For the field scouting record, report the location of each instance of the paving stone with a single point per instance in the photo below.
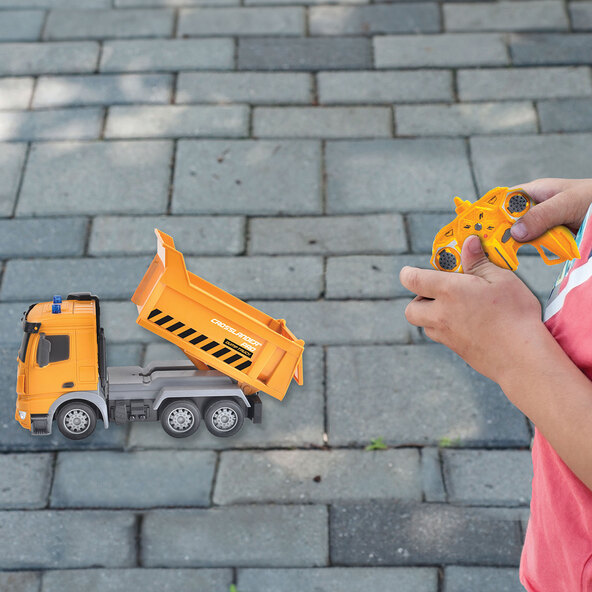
(28, 479)
(317, 476)
(362, 20)
(105, 24)
(128, 580)
(581, 15)
(488, 477)
(21, 25)
(448, 50)
(327, 122)
(194, 235)
(551, 48)
(82, 123)
(338, 579)
(510, 160)
(173, 3)
(119, 322)
(165, 121)
(465, 119)
(106, 89)
(167, 55)
(87, 4)
(20, 581)
(337, 53)
(12, 159)
(250, 2)
(241, 21)
(297, 420)
(538, 15)
(242, 177)
(567, 115)
(424, 227)
(488, 579)
(239, 536)
(68, 539)
(15, 93)
(385, 87)
(327, 235)
(523, 83)
(245, 87)
(415, 395)
(540, 278)
(48, 58)
(136, 479)
(431, 472)
(96, 178)
(129, 354)
(411, 533)
(383, 175)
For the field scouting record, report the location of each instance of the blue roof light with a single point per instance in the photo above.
(56, 307)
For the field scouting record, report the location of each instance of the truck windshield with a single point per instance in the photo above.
(23, 349)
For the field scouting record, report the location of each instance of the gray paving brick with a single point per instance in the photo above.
(395, 18)
(242, 176)
(523, 83)
(567, 115)
(12, 158)
(538, 15)
(144, 479)
(48, 58)
(448, 50)
(87, 4)
(166, 121)
(129, 354)
(69, 539)
(90, 177)
(28, 479)
(172, 3)
(20, 581)
(295, 421)
(384, 87)
(128, 580)
(338, 579)
(540, 278)
(105, 24)
(119, 321)
(318, 476)
(83, 123)
(465, 119)
(194, 235)
(322, 122)
(510, 160)
(42, 237)
(241, 21)
(240, 536)
(383, 175)
(15, 93)
(21, 25)
(458, 578)
(336, 53)
(424, 227)
(488, 477)
(551, 48)
(410, 533)
(431, 472)
(107, 89)
(581, 15)
(245, 87)
(368, 396)
(326, 235)
(167, 55)
(256, 2)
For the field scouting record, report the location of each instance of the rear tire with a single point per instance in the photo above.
(77, 420)
(180, 418)
(224, 418)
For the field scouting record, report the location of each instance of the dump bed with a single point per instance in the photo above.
(214, 328)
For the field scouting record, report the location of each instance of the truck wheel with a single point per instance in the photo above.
(224, 418)
(180, 418)
(77, 420)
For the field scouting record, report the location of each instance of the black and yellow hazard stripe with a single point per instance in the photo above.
(203, 341)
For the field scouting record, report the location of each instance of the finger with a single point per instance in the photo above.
(419, 312)
(423, 282)
(474, 260)
(542, 189)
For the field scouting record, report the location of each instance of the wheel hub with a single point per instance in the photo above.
(180, 419)
(76, 420)
(224, 419)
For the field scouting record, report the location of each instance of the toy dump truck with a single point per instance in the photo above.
(233, 350)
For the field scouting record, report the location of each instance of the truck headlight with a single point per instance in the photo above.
(23, 414)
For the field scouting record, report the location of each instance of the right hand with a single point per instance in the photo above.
(559, 201)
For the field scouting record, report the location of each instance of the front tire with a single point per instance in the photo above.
(224, 418)
(77, 420)
(180, 418)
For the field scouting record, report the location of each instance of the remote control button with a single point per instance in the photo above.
(506, 236)
(447, 261)
(517, 203)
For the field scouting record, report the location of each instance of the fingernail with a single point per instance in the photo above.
(519, 230)
(474, 245)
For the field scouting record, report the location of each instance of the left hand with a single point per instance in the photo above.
(486, 315)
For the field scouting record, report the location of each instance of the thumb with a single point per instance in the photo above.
(474, 261)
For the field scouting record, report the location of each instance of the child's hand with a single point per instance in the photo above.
(560, 201)
(486, 315)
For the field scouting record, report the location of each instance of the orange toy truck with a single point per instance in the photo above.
(233, 350)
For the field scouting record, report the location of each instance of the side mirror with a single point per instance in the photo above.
(43, 351)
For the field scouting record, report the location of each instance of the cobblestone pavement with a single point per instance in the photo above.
(300, 153)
